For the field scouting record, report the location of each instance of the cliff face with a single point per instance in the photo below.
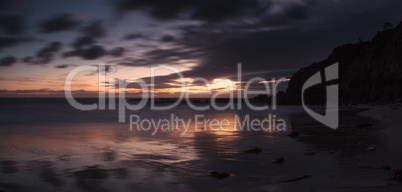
(369, 72)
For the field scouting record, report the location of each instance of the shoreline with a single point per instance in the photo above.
(389, 114)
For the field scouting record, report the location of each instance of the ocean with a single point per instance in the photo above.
(47, 145)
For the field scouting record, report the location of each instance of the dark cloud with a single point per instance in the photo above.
(51, 48)
(107, 69)
(172, 56)
(226, 9)
(7, 61)
(272, 45)
(28, 59)
(167, 38)
(61, 22)
(269, 38)
(6, 42)
(264, 51)
(133, 36)
(208, 10)
(117, 52)
(95, 29)
(44, 55)
(297, 12)
(84, 46)
(12, 24)
(91, 53)
(9, 6)
(64, 66)
(4, 4)
(83, 41)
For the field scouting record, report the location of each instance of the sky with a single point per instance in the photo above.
(42, 41)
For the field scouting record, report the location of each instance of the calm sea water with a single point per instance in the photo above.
(47, 145)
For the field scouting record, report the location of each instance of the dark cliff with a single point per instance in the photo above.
(369, 72)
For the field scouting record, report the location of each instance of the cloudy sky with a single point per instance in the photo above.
(41, 41)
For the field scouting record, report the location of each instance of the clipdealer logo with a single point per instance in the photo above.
(325, 76)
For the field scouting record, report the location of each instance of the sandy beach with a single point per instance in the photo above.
(90, 152)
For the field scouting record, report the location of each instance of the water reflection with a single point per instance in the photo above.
(98, 156)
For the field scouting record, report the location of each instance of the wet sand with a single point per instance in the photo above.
(98, 154)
